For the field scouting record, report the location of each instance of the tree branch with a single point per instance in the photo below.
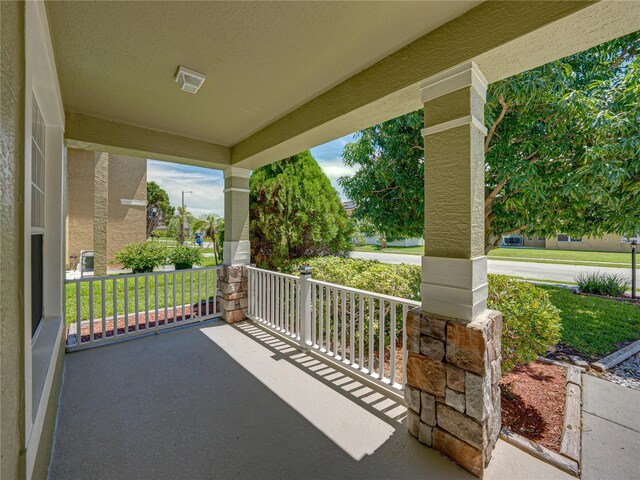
(492, 130)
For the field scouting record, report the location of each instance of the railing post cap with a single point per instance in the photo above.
(305, 270)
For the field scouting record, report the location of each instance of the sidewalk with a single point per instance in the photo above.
(610, 430)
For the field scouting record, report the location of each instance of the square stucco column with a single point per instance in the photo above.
(453, 341)
(233, 283)
(100, 213)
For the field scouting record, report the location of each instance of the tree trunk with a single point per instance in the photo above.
(383, 240)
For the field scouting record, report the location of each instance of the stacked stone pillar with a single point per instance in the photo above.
(453, 341)
(233, 281)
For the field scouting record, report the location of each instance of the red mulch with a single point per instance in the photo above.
(85, 334)
(533, 402)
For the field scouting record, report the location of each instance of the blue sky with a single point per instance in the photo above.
(207, 184)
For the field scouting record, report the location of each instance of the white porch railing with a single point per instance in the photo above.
(102, 310)
(360, 329)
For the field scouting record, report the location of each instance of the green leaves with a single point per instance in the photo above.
(295, 212)
(564, 154)
(142, 257)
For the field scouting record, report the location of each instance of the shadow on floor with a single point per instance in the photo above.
(214, 401)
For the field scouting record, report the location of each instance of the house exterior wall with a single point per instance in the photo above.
(80, 185)
(534, 242)
(608, 243)
(12, 354)
(126, 223)
(127, 179)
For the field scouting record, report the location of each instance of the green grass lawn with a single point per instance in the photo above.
(594, 326)
(171, 242)
(190, 297)
(537, 255)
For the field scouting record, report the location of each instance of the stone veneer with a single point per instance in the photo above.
(233, 292)
(452, 390)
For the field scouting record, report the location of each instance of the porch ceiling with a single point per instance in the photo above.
(116, 60)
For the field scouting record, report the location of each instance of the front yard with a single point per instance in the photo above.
(594, 327)
(536, 255)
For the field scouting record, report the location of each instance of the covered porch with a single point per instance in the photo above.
(223, 398)
(215, 400)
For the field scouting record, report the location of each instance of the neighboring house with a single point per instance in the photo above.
(106, 203)
(607, 243)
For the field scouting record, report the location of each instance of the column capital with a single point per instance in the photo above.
(464, 75)
(236, 172)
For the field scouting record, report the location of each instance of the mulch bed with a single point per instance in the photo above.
(533, 402)
(189, 312)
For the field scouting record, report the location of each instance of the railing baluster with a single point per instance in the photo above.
(126, 306)
(114, 292)
(104, 309)
(392, 342)
(199, 296)
(343, 347)
(371, 312)
(156, 302)
(206, 290)
(146, 302)
(190, 303)
(352, 329)
(381, 329)
(335, 322)
(165, 298)
(91, 338)
(361, 327)
(328, 324)
(313, 314)
(321, 317)
(136, 303)
(286, 299)
(405, 310)
(78, 314)
(174, 300)
(182, 299)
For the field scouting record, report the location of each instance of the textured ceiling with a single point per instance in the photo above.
(116, 60)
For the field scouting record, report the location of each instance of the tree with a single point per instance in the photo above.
(295, 212)
(178, 226)
(159, 210)
(213, 228)
(562, 152)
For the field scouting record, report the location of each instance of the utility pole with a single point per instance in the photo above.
(182, 218)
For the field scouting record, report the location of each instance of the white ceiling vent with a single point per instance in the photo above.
(189, 80)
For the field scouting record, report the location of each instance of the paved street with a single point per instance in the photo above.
(538, 271)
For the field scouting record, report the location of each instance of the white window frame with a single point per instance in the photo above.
(43, 347)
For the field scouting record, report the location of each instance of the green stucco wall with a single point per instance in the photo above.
(12, 63)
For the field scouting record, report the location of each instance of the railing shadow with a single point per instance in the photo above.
(381, 404)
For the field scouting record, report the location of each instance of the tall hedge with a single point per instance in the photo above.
(295, 212)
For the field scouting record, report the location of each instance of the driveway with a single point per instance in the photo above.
(537, 271)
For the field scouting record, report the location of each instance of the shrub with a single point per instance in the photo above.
(602, 284)
(184, 256)
(142, 257)
(398, 280)
(531, 324)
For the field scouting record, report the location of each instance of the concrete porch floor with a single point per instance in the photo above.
(221, 401)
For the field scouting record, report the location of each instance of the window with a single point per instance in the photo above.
(563, 237)
(37, 216)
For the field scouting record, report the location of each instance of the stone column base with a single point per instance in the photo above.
(452, 389)
(233, 292)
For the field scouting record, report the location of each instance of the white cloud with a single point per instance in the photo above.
(206, 184)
